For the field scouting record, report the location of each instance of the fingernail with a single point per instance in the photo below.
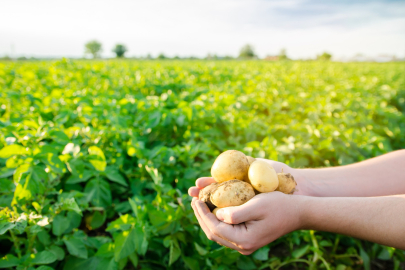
(220, 214)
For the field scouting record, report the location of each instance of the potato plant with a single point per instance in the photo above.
(96, 156)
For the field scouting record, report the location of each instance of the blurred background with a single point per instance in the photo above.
(348, 30)
(110, 110)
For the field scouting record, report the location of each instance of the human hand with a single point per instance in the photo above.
(248, 227)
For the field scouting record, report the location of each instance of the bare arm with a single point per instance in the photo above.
(379, 176)
(377, 219)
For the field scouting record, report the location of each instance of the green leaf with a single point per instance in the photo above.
(9, 261)
(175, 253)
(60, 224)
(12, 150)
(106, 250)
(6, 172)
(93, 263)
(384, 254)
(262, 254)
(298, 253)
(74, 179)
(112, 265)
(97, 219)
(125, 244)
(114, 175)
(43, 257)
(59, 137)
(57, 251)
(141, 241)
(20, 224)
(20, 171)
(366, 259)
(44, 267)
(70, 205)
(245, 263)
(133, 257)
(191, 263)
(97, 158)
(53, 162)
(44, 237)
(76, 247)
(134, 206)
(123, 223)
(99, 192)
(202, 251)
(5, 226)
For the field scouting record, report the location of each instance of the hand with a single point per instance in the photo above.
(252, 225)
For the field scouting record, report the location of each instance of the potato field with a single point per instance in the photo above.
(96, 156)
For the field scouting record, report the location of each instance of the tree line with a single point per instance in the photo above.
(94, 48)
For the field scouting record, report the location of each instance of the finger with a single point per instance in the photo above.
(249, 211)
(209, 234)
(231, 233)
(204, 181)
(194, 191)
(238, 214)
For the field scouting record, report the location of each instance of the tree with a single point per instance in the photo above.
(161, 56)
(120, 50)
(247, 52)
(93, 47)
(324, 57)
(283, 55)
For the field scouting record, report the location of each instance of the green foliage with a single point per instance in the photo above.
(120, 50)
(247, 51)
(94, 48)
(96, 157)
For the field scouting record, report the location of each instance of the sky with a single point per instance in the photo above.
(305, 28)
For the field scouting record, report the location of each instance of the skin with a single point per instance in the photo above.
(365, 200)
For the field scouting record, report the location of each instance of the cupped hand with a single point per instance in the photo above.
(252, 225)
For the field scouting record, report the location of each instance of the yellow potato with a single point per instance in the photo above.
(205, 195)
(250, 159)
(287, 183)
(230, 165)
(262, 176)
(232, 193)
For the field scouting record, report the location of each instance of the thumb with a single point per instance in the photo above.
(238, 214)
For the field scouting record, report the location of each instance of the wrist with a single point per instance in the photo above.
(304, 206)
(304, 186)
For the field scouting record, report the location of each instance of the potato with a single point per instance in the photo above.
(232, 193)
(205, 195)
(262, 176)
(287, 183)
(250, 159)
(230, 165)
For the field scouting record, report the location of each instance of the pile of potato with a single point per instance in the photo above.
(239, 178)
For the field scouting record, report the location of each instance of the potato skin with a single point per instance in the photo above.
(287, 183)
(250, 159)
(230, 165)
(262, 176)
(232, 193)
(205, 195)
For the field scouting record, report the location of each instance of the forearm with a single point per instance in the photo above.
(380, 176)
(376, 219)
